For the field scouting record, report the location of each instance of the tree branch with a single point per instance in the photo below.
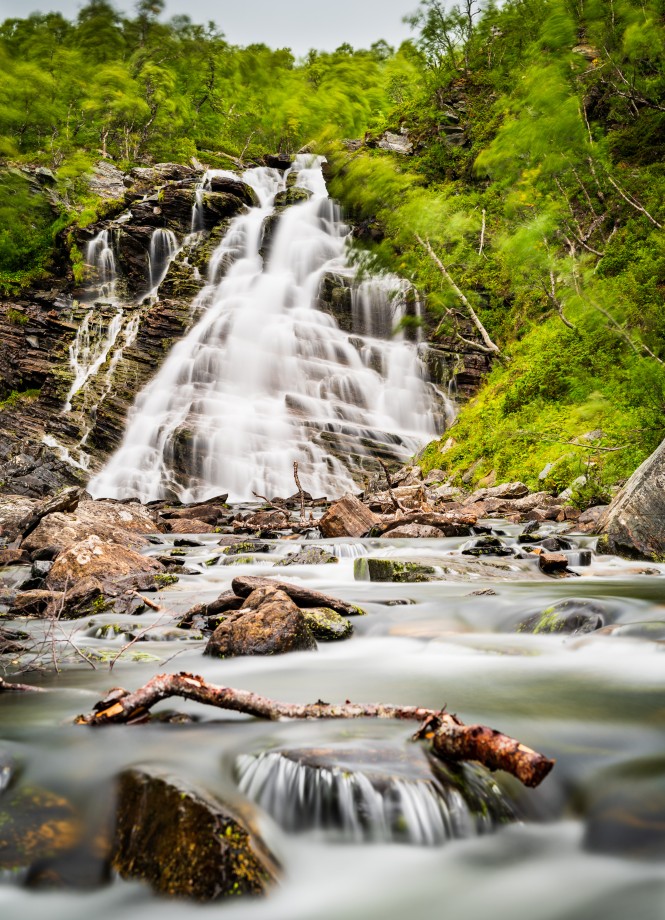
(451, 739)
(634, 203)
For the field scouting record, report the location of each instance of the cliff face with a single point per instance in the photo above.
(73, 357)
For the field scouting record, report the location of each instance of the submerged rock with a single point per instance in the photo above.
(571, 617)
(36, 824)
(184, 843)
(268, 623)
(634, 524)
(309, 555)
(487, 546)
(326, 625)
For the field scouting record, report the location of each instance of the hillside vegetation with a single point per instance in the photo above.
(529, 212)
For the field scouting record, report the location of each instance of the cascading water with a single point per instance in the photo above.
(163, 248)
(303, 791)
(101, 259)
(264, 378)
(90, 349)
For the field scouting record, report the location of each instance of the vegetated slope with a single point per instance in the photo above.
(531, 170)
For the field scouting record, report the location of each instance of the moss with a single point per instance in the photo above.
(393, 571)
(15, 398)
(163, 581)
(16, 318)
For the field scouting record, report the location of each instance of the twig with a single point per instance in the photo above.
(634, 203)
(19, 688)
(450, 738)
(300, 492)
(267, 501)
(393, 498)
(482, 233)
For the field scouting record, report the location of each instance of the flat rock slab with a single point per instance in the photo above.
(184, 843)
(111, 521)
(94, 558)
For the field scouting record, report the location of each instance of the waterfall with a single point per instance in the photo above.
(90, 349)
(163, 247)
(265, 378)
(307, 790)
(100, 257)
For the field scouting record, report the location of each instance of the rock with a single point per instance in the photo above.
(268, 623)
(451, 524)
(411, 497)
(244, 585)
(189, 525)
(589, 519)
(96, 558)
(14, 557)
(32, 603)
(235, 187)
(309, 555)
(278, 160)
(84, 598)
(445, 494)
(107, 181)
(552, 563)
(125, 525)
(414, 531)
(348, 517)
(184, 843)
(486, 546)
(634, 524)
(508, 490)
(14, 511)
(326, 625)
(396, 143)
(555, 544)
(291, 196)
(392, 570)
(263, 521)
(571, 617)
(36, 824)
(247, 546)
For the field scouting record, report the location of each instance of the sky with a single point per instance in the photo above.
(298, 24)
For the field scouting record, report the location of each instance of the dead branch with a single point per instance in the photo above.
(397, 505)
(551, 294)
(482, 233)
(634, 203)
(300, 492)
(489, 347)
(450, 738)
(19, 688)
(268, 502)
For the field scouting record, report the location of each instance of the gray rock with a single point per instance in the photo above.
(326, 625)
(572, 617)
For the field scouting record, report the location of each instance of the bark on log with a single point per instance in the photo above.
(19, 688)
(450, 738)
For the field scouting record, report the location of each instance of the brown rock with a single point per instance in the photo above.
(111, 521)
(414, 531)
(589, 519)
(14, 557)
(15, 510)
(551, 563)
(411, 497)
(185, 843)
(348, 518)
(244, 585)
(452, 524)
(269, 623)
(96, 558)
(263, 520)
(33, 603)
(190, 525)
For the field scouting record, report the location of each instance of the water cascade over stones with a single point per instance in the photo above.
(101, 259)
(95, 338)
(265, 377)
(360, 798)
(163, 247)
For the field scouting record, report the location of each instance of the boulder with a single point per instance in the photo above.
(278, 160)
(263, 521)
(309, 555)
(326, 625)
(552, 563)
(348, 518)
(414, 531)
(236, 187)
(588, 520)
(634, 524)
(15, 510)
(571, 617)
(184, 843)
(268, 623)
(303, 597)
(487, 546)
(451, 524)
(14, 557)
(508, 490)
(392, 570)
(33, 603)
(411, 497)
(36, 824)
(190, 525)
(97, 558)
(125, 525)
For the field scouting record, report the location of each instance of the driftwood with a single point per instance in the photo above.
(18, 688)
(397, 505)
(450, 739)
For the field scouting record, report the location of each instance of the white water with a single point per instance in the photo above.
(90, 349)
(163, 248)
(265, 379)
(101, 259)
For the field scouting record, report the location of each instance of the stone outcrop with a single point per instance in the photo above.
(94, 558)
(125, 525)
(634, 524)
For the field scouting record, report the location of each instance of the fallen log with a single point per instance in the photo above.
(19, 688)
(450, 739)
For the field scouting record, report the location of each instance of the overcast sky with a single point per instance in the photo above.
(299, 24)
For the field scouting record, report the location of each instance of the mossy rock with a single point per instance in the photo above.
(35, 824)
(392, 570)
(310, 555)
(247, 546)
(574, 617)
(326, 625)
(184, 843)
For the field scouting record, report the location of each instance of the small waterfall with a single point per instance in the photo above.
(264, 378)
(90, 349)
(369, 802)
(101, 258)
(163, 247)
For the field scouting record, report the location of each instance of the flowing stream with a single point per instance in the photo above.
(360, 822)
(264, 378)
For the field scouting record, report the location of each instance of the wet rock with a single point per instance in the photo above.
(280, 161)
(409, 497)
(310, 555)
(336, 298)
(555, 544)
(552, 563)
(86, 597)
(184, 843)
(36, 824)
(570, 617)
(588, 520)
(244, 585)
(125, 525)
(634, 524)
(33, 603)
(268, 623)
(508, 490)
(414, 531)
(326, 625)
(14, 557)
(247, 546)
(96, 558)
(487, 546)
(392, 570)
(450, 524)
(237, 187)
(218, 206)
(348, 518)
(291, 196)
(262, 521)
